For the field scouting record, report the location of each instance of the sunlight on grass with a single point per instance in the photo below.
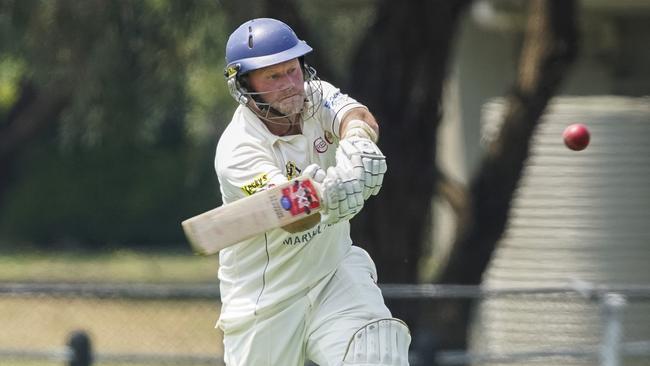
(114, 325)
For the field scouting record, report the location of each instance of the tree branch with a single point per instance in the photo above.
(549, 49)
(453, 192)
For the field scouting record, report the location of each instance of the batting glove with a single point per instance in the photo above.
(342, 194)
(340, 190)
(364, 158)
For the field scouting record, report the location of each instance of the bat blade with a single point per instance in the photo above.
(245, 218)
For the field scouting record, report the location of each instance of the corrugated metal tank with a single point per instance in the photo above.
(576, 216)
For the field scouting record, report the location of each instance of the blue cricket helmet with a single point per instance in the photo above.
(262, 42)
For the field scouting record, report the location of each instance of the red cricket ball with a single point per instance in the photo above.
(576, 136)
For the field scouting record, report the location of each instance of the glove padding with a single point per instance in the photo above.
(314, 172)
(344, 194)
(363, 157)
(341, 192)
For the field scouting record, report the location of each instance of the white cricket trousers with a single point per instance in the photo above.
(316, 325)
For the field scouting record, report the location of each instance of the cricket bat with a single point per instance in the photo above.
(250, 216)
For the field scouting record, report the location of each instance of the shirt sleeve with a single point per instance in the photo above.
(331, 105)
(245, 169)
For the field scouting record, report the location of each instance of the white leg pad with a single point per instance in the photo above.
(382, 342)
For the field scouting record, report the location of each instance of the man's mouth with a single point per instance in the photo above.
(289, 96)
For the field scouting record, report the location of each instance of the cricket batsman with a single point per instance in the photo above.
(302, 292)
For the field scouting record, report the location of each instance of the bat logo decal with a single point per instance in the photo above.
(299, 198)
(285, 202)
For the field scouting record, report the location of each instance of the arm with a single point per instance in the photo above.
(304, 224)
(359, 133)
(350, 126)
(244, 169)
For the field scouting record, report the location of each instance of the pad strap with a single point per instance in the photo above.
(382, 342)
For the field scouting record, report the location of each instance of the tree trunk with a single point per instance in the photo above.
(35, 111)
(398, 72)
(549, 48)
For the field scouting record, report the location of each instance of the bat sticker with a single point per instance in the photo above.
(299, 198)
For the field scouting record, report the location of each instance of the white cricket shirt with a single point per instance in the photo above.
(258, 274)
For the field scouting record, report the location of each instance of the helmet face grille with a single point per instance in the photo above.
(314, 90)
(238, 88)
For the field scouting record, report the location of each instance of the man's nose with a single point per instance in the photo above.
(288, 82)
(293, 80)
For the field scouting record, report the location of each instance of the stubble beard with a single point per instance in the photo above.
(290, 106)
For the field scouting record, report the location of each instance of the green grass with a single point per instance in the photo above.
(115, 266)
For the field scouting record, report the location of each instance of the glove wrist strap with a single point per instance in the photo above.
(359, 128)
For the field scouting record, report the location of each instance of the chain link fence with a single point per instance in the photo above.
(128, 324)
(137, 324)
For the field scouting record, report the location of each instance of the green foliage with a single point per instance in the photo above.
(108, 197)
(130, 64)
(131, 154)
(10, 72)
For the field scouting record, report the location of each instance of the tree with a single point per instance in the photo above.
(108, 78)
(404, 90)
(399, 71)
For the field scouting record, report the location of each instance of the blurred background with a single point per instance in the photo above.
(490, 236)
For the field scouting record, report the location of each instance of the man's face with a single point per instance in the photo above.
(281, 85)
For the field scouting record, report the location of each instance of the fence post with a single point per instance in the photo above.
(613, 306)
(80, 349)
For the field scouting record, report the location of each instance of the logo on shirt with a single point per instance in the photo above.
(320, 145)
(256, 185)
(291, 170)
(303, 238)
(335, 100)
